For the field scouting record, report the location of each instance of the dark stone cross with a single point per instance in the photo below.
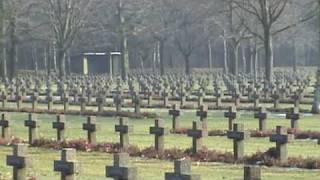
(182, 171)
(238, 135)
(294, 116)
(297, 97)
(231, 115)
(203, 114)
(4, 98)
(124, 129)
(120, 169)
(91, 129)
(262, 116)
(32, 125)
(175, 113)
(252, 172)
(59, 125)
(19, 161)
(197, 133)
(5, 128)
(276, 99)
(281, 138)
(68, 165)
(159, 132)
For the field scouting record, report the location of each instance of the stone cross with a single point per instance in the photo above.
(236, 97)
(83, 103)
(294, 116)
(201, 95)
(256, 99)
(182, 171)
(49, 99)
(218, 95)
(203, 114)
(117, 100)
(297, 97)
(68, 165)
(101, 100)
(32, 125)
(124, 129)
(120, 169)
(159, 132)
(197, 133)
(281, 138)
(165, 96)
(65, 101)
(232, 116)
(5, 128)
(91, 129)
(59, 125)
(149, 94)
(238, 135)
(262, 116)
(19, 161)
(276, 99)
(175, 113)
(4, 98)
(34, 99)
(137, 102)
(19, 98)
(252, 172)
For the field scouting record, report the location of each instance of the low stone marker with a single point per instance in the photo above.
(203, 114)
(262, 116)
(59, 125)
(197, 133)
(294, 116)
(120, 169)
(238, 135)
(32, 125)
(182, 171)
(252, 172)
(175, 113)
(281, 138)
(231, 115)
(91, 129)
(20, 161)
(5, 127)
(68, 165)
(124, 129)
(159, 132)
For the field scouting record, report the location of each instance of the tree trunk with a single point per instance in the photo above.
(268, 48)
(235, 58)
(244, 59)
(210, 58)
(61, 59)
(187, 64)
(12, 51)
(161, 56)
(225, 58)
(3, 63)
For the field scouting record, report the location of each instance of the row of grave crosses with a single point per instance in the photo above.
(68, 167)
(197, 132)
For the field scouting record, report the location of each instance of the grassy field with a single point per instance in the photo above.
(92, 164)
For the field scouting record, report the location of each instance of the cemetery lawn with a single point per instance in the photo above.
(92, 167)
(93, 163)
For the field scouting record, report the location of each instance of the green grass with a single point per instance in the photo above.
(93, 163)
